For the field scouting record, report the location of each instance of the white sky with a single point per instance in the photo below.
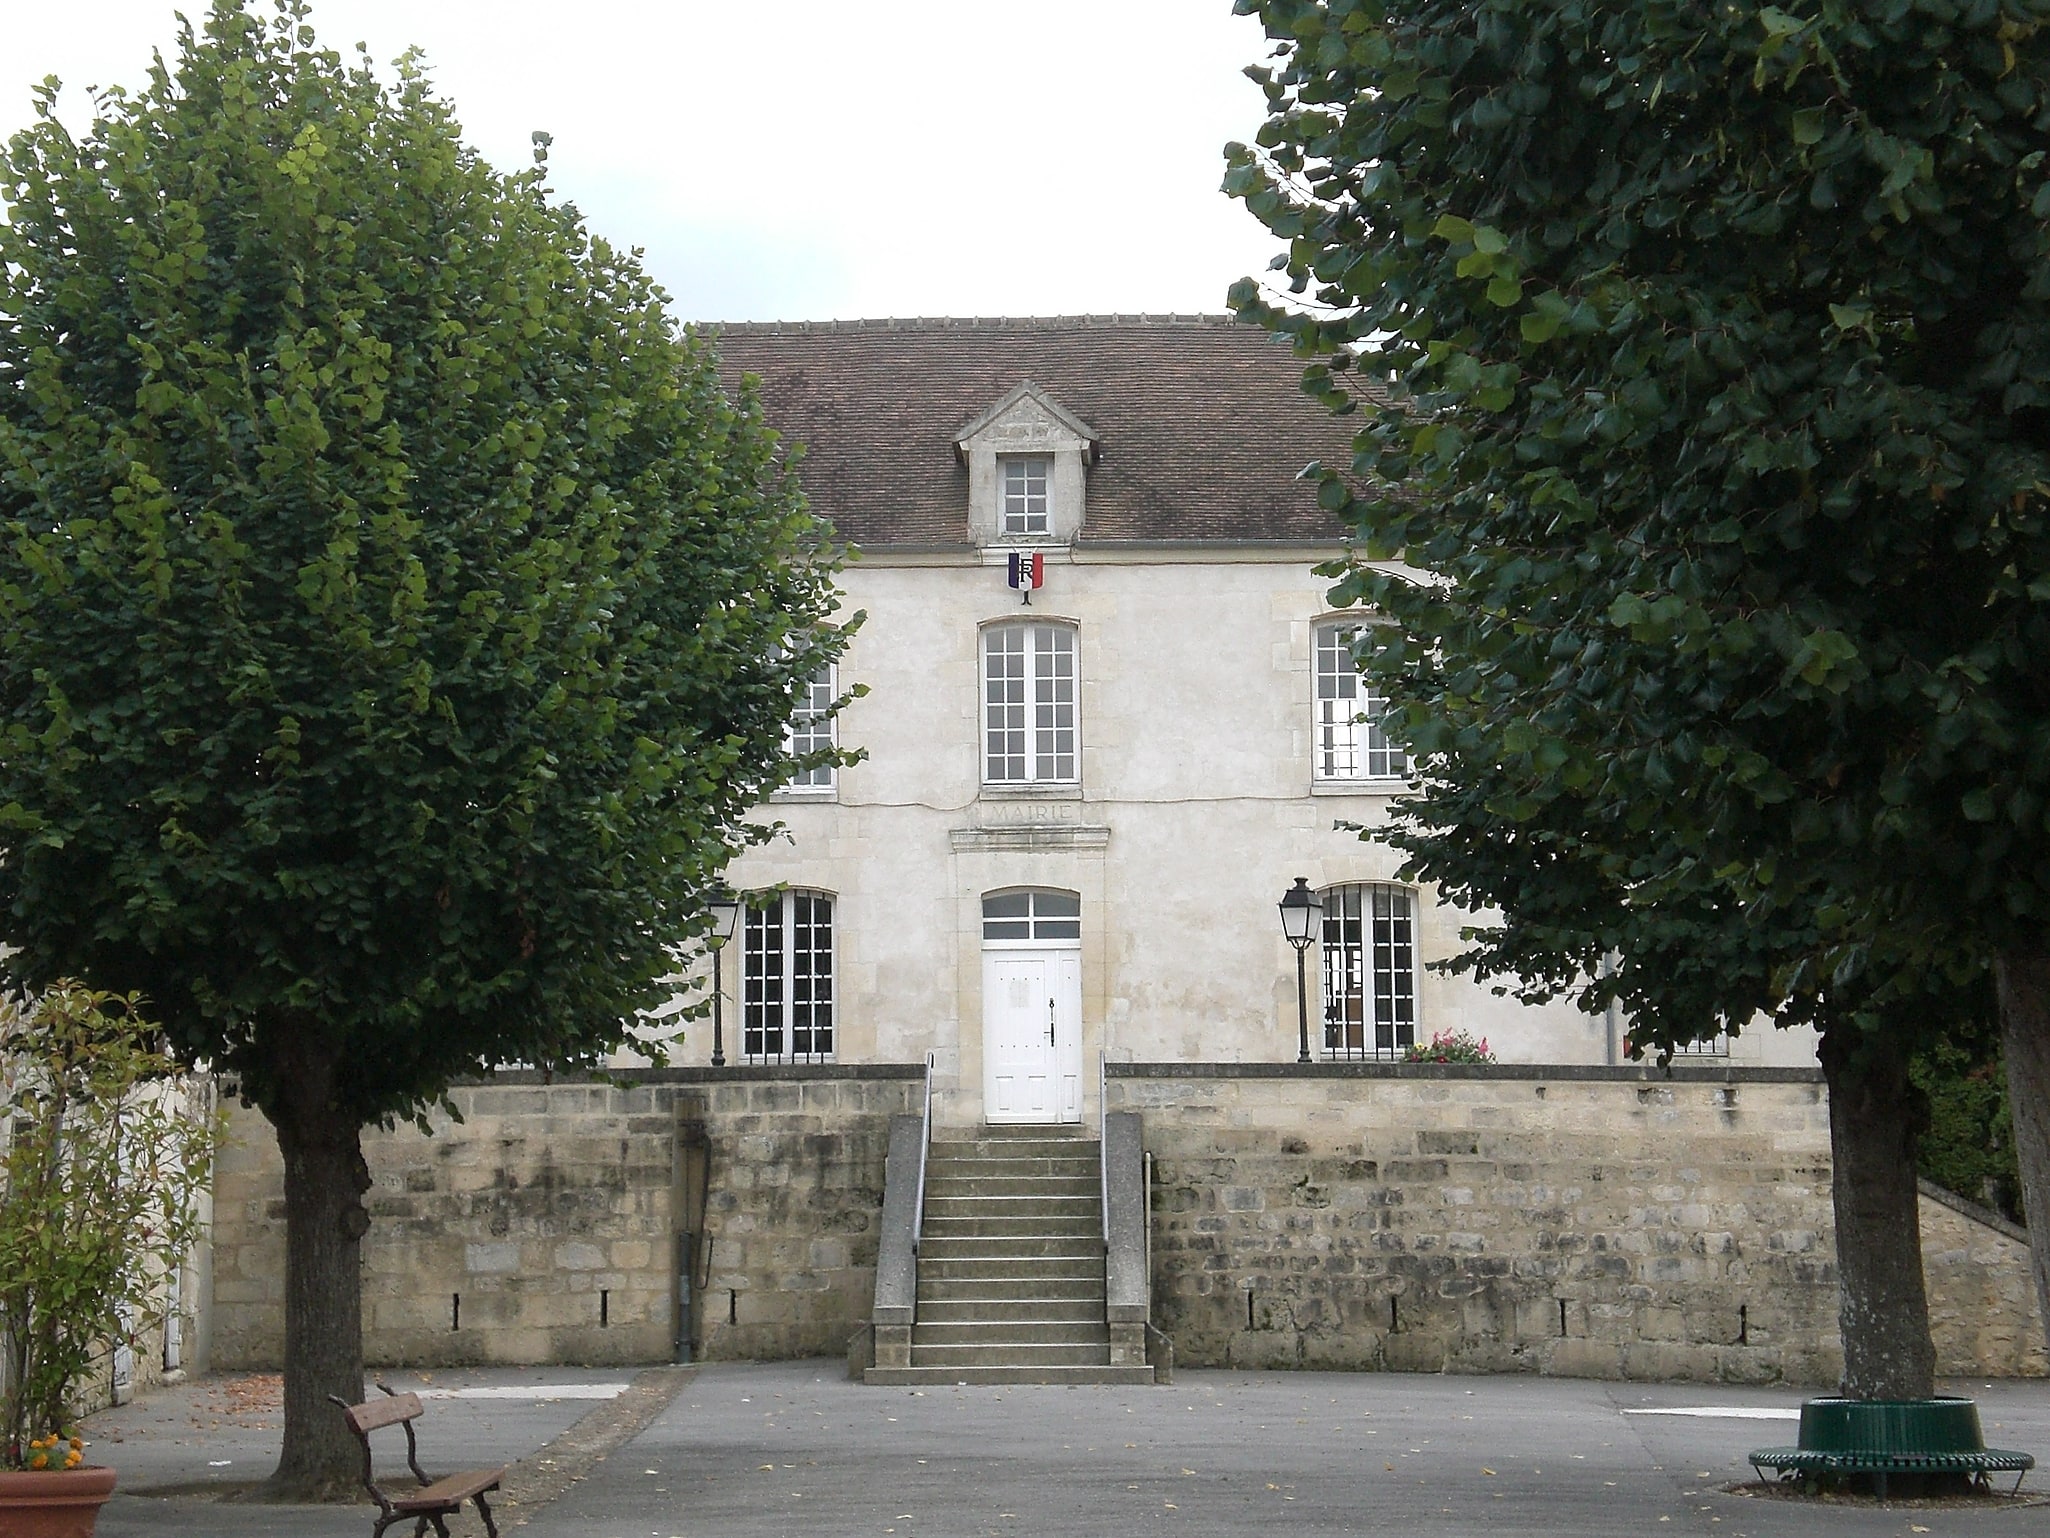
(815, 159)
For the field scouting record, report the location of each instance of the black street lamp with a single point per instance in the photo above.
(725, 908)
(1300, 913)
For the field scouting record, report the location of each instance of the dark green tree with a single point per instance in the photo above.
(397, 620)
(1703, 355)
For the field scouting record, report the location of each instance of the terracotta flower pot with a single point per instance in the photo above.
(63, 1503)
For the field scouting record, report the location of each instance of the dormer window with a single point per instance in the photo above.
(1028, 460)
(1025, 480)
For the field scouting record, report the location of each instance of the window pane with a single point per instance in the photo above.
(811, 974)
(787, 978)
(1056, 916)
(1350, 743)
(761, 977)
(1369, 950)
(1029, 729)
(1025, 493)
(811, 729)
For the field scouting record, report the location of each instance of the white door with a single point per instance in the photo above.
(1032, 1035)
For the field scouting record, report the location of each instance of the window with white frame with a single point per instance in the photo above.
(1028, 692)
(1023, 498)
(1369, 947)
(786, 978)
(1034, 914)
(1350, 742)
(811, 730)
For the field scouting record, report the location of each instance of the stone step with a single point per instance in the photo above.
(912, 1377)
(1081, 1290)
(968, 1276)
(1056, 1157)
(1012, 1246)
(949, 1309)
(963, 1199)
(1013, 1353)
(978, 1224)
(960, 1180)
(1003, 1334)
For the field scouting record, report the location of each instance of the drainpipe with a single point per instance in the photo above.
(1611, 1042)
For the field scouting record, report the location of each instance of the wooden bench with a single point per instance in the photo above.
(436, 1499)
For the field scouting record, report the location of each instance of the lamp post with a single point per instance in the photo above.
(725, 907)
(1300, 913)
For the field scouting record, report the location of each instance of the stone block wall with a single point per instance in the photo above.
(1982, 1297)
(1594, 1222)
(543, 1226)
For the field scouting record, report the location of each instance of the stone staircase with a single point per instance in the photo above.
(1011, 1267)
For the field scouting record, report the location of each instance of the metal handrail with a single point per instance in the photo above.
(924, 1147)
(1103, 1126)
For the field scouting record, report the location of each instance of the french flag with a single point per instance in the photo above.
(1028, 571)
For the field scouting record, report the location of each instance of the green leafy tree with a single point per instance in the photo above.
(1702, 358)
(397, 620)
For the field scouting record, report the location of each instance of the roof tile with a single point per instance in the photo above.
(1203, 424)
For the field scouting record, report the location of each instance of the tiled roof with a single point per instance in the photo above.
(1202, 424)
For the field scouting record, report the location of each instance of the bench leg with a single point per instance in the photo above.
(484, 1511)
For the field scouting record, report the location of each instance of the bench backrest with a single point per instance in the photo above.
(366, 1418)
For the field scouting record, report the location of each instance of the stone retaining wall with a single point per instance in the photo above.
(1982, 1296)
(1583, 1222)
(544, 1227)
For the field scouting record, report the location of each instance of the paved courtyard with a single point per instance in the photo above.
(780, 1448)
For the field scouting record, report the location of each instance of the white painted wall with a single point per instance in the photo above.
(1196, 810)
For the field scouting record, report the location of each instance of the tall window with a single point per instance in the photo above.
(1369, 971)
(811, 729)
(1350, 742)
(786, 979)
(1025, 478)
(1028, 683)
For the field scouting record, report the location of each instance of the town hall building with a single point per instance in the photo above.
(1009, 1075)
(1083, 794)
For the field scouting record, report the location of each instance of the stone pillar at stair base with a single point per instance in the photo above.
(893, 1345)
(1128, 1345)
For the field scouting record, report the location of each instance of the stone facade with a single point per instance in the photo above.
(1178, 853)
(545, 1226)
(1607, 1223)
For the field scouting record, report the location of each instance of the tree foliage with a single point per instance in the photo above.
(1703, 358)
(1719, 363)
(396, 618)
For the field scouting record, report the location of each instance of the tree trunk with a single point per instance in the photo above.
(1882, 1307)
(2024, 983)
(325, 1178)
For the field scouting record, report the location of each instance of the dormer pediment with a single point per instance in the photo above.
(1028, 459)
(1027, 418)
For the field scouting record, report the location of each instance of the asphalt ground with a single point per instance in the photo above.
(789, 1448)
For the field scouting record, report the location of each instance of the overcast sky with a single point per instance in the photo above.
(816, 159)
